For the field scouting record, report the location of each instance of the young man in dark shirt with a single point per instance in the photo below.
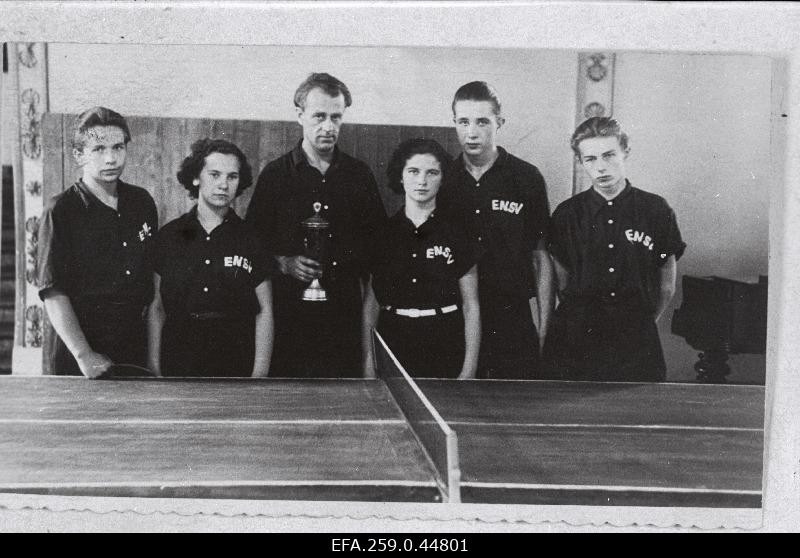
(94, 276)
(615, 249)
(316, 338)
(504, 201)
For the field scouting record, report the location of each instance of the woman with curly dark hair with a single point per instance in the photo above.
(212, 311)
(423, 291)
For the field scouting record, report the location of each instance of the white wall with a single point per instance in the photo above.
(700, 124)
(700, 137)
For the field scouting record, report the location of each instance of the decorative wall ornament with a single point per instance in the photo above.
(594, 109)
(597, 71)
(27, 55)
(34, 326)
(34, 188)
(595, 97)
(31, 126)
(28, 76)
(32, 250)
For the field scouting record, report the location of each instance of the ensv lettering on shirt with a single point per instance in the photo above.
(443, 251)
(508, 206)
(145, 231)
(238, 261)
(638, 236)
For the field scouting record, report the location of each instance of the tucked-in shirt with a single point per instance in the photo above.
(419, 267)
(508, 212)
(95, 254)
(285, 194)
(612, 249)
(215, 271)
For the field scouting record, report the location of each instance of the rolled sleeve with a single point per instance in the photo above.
(51, 255)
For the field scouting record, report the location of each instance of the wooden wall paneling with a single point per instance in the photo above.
(53, 152)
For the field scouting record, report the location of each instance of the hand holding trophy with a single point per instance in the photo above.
(316, 244)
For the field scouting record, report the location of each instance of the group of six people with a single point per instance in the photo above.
(448, 281)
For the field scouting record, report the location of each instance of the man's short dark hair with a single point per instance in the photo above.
(193, 165)
(598, 127)
(477, 91)
(329, 84)
(406, 150)
(97, 116)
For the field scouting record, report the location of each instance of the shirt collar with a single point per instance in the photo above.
(502, 158)
(190, 221)
(400, 219)
(299, 157)
(89, 199)
(597, 202)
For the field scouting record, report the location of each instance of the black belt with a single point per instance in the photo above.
(211, 316)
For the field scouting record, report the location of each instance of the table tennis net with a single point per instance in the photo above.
(435, 437)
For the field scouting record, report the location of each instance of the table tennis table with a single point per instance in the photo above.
(482, 441)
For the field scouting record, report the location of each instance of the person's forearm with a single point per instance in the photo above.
(369, 319)
(665, 295)
(155, 327)
(264, 341)
(65, 322)
(472, 339)
(545, 289)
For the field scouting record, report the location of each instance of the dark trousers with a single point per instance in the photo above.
(317, 339)
(604, 342)
(219, 347)
(427, 347)
(122, 338)
(510, 343)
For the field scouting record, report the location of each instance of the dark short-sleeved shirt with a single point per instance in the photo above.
(613, 249)
(285, 194)
(419, 267)
(97, 255)
(508, 212)
(215, 271)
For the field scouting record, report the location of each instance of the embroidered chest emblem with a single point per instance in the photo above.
(238, 261)
(145, 232)
(507, 206)
(440, 251)
(639, 237)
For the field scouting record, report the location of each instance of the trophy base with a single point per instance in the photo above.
(315, 292)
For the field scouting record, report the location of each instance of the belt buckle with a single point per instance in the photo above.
(413, 312)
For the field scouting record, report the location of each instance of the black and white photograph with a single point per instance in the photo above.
(398, 266)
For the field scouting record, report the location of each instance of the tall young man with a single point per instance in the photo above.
(504, 200)
(314, 338)
(94, 276)
(615, 249)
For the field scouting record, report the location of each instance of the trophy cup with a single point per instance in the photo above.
(315, 241)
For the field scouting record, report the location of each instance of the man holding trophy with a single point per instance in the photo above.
(317, 209)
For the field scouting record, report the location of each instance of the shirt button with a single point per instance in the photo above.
(330, 235)
(119, 214)
(477, 184)
(611, 270)
(325, 206)
(127, 272)
(610, 245)
(663, 256)
(323, 180)
(334, 263)
(416, 231)
(413, 255)
(477, 211)
(613, 294)
(611, 221)
(205, 289)
(208, 262)
(414, 280)
(480, 238)
(208, 238)
(124, 244)
(610, 203)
